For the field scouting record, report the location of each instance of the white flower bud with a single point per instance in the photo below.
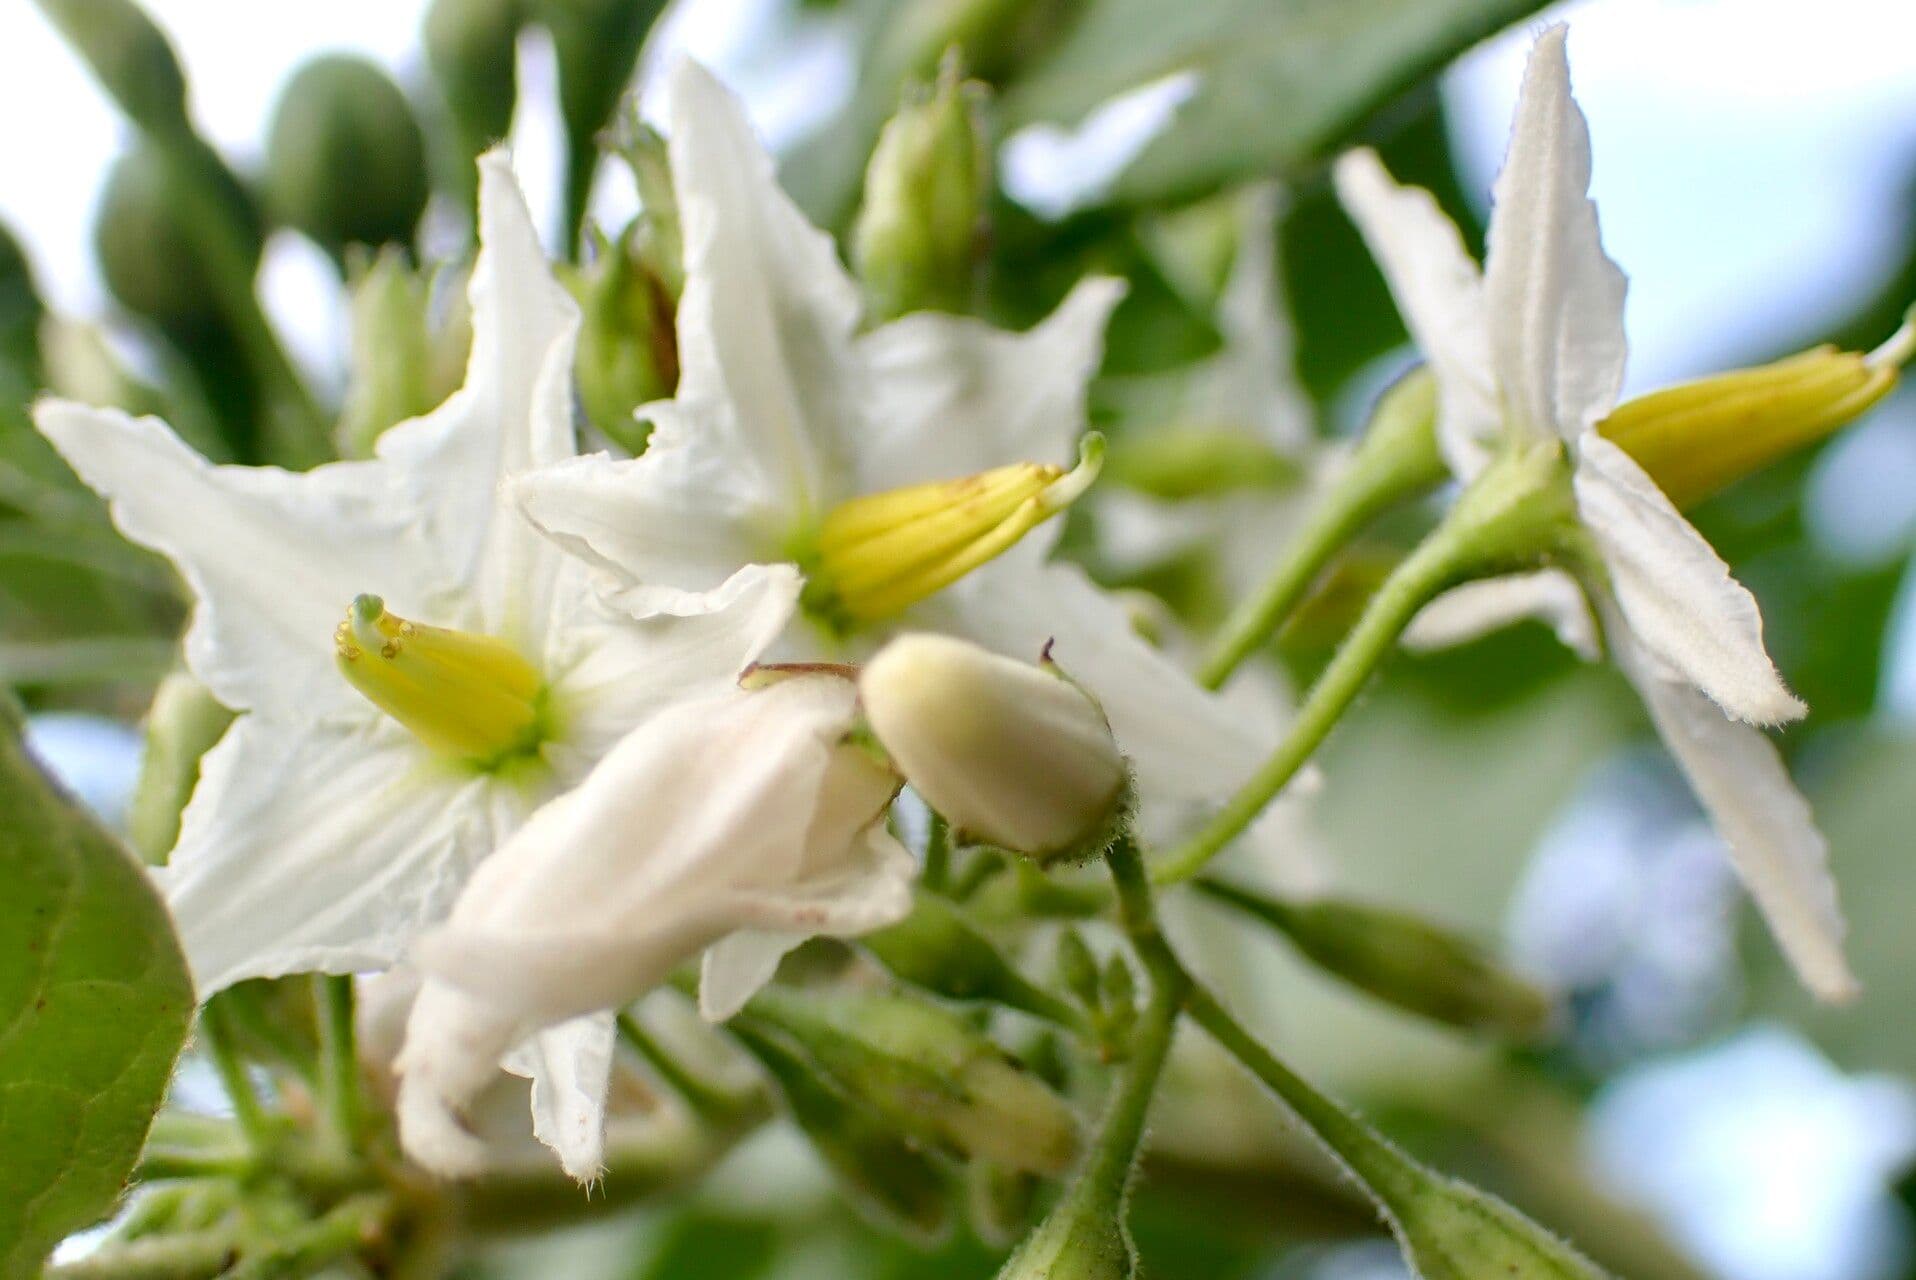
(1010, 753)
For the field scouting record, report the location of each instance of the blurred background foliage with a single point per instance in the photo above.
(1503, 789)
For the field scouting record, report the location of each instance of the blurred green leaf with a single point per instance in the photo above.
(1280, 82)
(94, 1006)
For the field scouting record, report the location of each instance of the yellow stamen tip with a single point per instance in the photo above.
(1696, 438)
(469, 697)
(876, 555)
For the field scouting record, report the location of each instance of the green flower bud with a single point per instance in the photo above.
(937, 948)
(628, 352)
(597, 44)
(181, 726)
(883, 1175)
(1078, 970)
(1002, 1202)
(1402, 960)
(1013, 754)
(472, 48)
(131, 57)
(917, 241)
(931, 1074)
(658, 238)
(402, 363)
(345, 158)
(1198, 461)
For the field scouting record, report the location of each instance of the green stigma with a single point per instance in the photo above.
(468, 697)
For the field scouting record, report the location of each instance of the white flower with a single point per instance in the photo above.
(737, 825)
(1533, 349)
(324, 833)
(786, 413)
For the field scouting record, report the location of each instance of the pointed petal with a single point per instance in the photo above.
(1676, 593)
(513, 414)
(1185, 743)
(766, 319)
(273, 557)
(1440, 295)
(1555, 301)
(736, 966)
(951, 396)
(1773, 841)
(639, 528)
(610, 674)
(454, 1044)
(317, 849)
(1477, 609)
(570, 1067)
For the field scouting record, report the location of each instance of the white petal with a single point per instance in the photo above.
(766, 319)
(870, 890)
(1440, 295)
(1477, 609)
(697, 823)
(950, 395)
(570, 1067)
(610, 675)
(310, 848)
(454, 1044)
(641, 522)
(1555, 301)
(513, 414)
(736, 966)
(1676, 592)
(273, 557)
(1772, 837)
(1185, 743)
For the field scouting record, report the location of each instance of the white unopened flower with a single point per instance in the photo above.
(737, 826)
(911, 470)
(1532, 350)
(1013, 754)
(416, 669)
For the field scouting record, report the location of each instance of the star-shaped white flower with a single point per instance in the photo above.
(1533, 349)
(786, 411)
(737, 825)
(323, 834)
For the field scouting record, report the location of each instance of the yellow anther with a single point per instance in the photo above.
(878, 554)
(469, 697)
(1698, 437)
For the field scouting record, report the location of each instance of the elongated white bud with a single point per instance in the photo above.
(1010, 753)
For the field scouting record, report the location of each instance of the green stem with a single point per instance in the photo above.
(346, 1228)
(1397, 461)
(216, 1039)
(1437, 563)
(198, 1255)
(160, 1163)
(937, 873)
(714, 1105)
(338, 1057)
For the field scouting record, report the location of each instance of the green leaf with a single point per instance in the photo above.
(1280, 82)
(94, 1006)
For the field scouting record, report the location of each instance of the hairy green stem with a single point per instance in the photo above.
(338, 1057)
(937, 873)
(216, 1039)
(713, 1105)
(198, 1255)
(1397, 461)
(1426, 572)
